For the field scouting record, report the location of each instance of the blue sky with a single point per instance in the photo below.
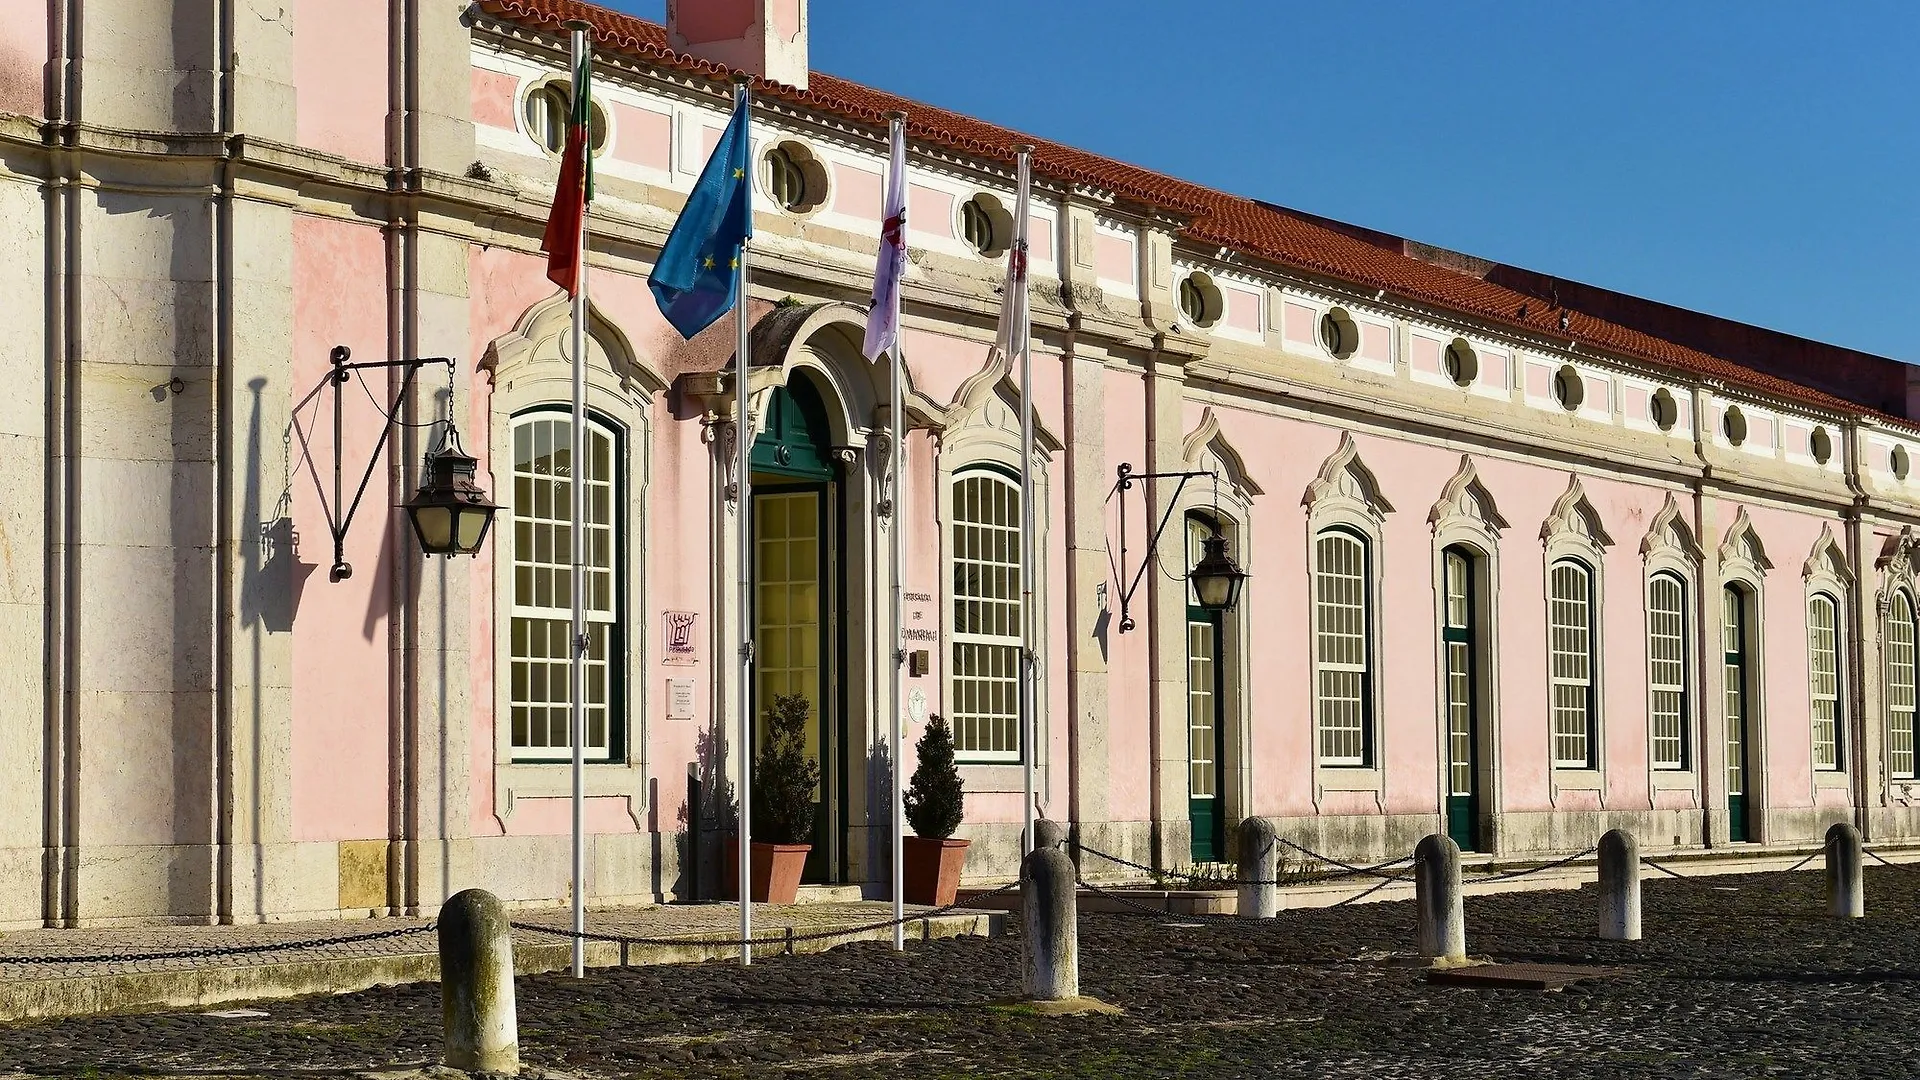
(1758, 160)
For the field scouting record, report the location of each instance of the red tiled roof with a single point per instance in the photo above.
(1215, 218)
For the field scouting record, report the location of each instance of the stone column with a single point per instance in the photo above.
(1049, 932)
(1619, 887)
(476, 984)
(1436, 880)
(1259, 869)
(1048, 833)
(1846, 894)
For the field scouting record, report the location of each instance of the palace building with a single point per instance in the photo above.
(1529, 559)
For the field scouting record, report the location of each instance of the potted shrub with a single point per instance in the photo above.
(785, 780)
(934, 808)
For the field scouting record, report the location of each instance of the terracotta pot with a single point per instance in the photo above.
(931, 874)
(776, 871)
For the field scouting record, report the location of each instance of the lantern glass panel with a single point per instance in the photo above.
(435, 526)
(472, 528)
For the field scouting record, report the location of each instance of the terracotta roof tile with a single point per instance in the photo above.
(1214, 218)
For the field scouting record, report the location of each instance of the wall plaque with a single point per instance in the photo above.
(679, 699)
(677, 643)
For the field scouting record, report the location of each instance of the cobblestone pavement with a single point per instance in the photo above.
(1738, 977)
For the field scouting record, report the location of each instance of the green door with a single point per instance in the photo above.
(1463, 719)
(1734, 642)
(795, 596)
(1206, 732)
(1205, 771)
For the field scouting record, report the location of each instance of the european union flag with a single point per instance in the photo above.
(698, 275)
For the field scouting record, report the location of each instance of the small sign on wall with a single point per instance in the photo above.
(677, 645)
(921, 622)
(679, 699)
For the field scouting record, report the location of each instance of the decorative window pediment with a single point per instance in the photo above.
(1573, 517)
(1206, 449)
(1465, 500)
(1742, 549)
(1827, 560)
(1345, 481)
(1670, 535)
(1898, 555)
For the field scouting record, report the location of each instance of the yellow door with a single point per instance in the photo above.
(787, 614)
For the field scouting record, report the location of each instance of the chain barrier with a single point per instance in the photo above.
(1234, 883)
(1676, 875)
(1368, 871)
(1884, 861)
(205, 951)
(788, 938)
(1489, 878)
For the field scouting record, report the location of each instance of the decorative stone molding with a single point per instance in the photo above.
(1669, 534)
(1741, 553)
(1345, 480)
(1206, 449)
(1573, 517)
(1465, 501)
(1827, 560)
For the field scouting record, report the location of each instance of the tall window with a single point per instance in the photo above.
(1667, 669)
(986, 617)
(541, 620)
(1900, 680)
(1733, 644)
(1341, 655)
(1570, 643)
(1823, 663)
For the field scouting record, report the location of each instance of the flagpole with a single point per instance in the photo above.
(577, 669)
(743, 444)
(897, 124)
(1023, 334)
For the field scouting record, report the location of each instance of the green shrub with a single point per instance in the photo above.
(935, 803)
(786, 778)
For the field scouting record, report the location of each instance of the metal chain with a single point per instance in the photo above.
(785, 939)
(1146, 909)
(1512, 874)
(216, 950)
(1884, 861)
(1370, 871)
(1227, 883)
(1689, 877)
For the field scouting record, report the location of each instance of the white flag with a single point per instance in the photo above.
(883, 320)
(1013, 299)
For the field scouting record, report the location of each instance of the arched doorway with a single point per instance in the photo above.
(1206, 726)
(1462, 636)
(799, 582)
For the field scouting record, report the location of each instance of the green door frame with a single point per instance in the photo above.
(1734, 633)
(1207, 815)
(1459, 640)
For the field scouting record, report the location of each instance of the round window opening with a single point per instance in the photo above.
(1461, 362)
(1339, 334)
(549, 110)
(1200, 299)
(1733, 425)
(1900, 462)
(794, 177)
(1569, 389)
(1821, 445)
(1665, 410)
(986, 225)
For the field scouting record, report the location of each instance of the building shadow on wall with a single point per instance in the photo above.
(708, 815)
(880, 814)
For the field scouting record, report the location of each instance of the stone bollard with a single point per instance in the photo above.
(1050, 929)
(1846, 893)
(1436, 886)
(1048, 833)
(476, 984)
(1259, 863)
(1619, 886)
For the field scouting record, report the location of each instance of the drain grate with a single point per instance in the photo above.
(1518, 976)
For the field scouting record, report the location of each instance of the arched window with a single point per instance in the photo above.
(538, 698)
(1900, 685)
(1570, 644)
(1667, 670)
(986, 616)
(1736, 638)
(1342, 625)
(1823, 666)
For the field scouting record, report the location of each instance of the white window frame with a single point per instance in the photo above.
(999, 609)
(1900, 682)
(1669, 675)
(1834, 758)
(1345, 641)
(1559, 607)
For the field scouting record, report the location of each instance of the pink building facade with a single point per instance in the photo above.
(1521, 572)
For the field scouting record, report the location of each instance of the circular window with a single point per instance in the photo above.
(1733, 425)
(549, 110)
(1900, 462)
(986, 225)
(1665, 411)
(1461, 362)
(1200, 299)
(1569, 389)
(794, 178)
(1339, 334)
(1821, 445)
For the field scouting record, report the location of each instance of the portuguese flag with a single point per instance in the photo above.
(567, 223)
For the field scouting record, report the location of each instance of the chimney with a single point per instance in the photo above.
(767, 38)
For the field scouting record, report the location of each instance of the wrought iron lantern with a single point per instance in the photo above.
(450, 512)
(1216, 578)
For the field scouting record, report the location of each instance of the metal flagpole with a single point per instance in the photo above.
(898, 461)
(1021, 335)
(743, 444)
(577, 670)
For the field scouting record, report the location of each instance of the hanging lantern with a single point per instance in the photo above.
(450, 512)
(1216, 578)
